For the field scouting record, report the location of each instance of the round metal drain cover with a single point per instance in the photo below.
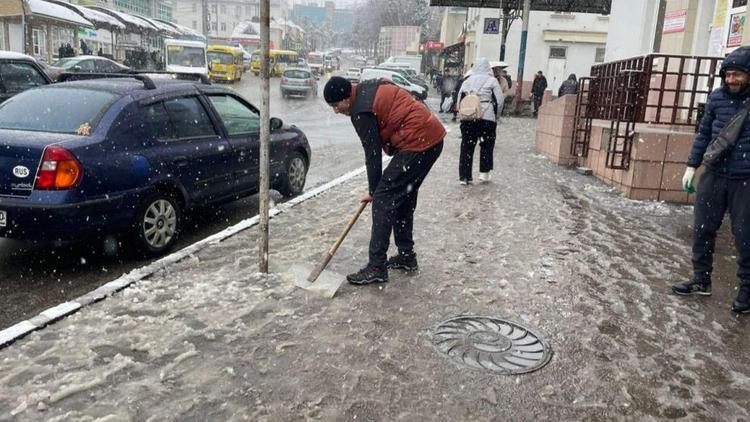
(491, 344)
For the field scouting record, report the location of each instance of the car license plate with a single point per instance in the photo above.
(3, 218)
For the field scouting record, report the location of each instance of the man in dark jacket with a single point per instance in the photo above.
(537, 90)
(569, 86)
(387, 118)
(725, 185)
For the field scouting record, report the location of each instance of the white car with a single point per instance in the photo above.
(353, 74)
(417, 91)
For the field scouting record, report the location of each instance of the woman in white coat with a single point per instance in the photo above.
(483, 83)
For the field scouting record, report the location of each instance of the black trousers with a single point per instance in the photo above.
(716, 196)
(470, 134)
(537, 103)
(395, 199)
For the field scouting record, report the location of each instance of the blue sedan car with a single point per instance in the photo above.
(130, 155)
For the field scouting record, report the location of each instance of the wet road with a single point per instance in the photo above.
(35, 277)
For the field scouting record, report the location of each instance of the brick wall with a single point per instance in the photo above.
(554, 131)
(656, 167)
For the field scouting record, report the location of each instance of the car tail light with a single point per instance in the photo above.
(59, 170)
(284, 80)
(309, 82)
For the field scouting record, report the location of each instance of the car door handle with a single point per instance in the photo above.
(180, 161)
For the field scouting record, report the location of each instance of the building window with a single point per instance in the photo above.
(599, 56)
(223, 26)
(213, 26)
(248, 13)
(557, 52)
(223, 9)
(214, 9)
(2, 37)
(237, 10)
(739, 3)
(195, 7)
(195, 24)
(37, 39)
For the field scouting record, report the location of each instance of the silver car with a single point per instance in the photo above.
(298, 81)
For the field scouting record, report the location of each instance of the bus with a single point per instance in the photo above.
(225, 63)
(183, 56)
(279, 61)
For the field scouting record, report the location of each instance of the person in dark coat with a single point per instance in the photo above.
(61, 51)
(448, 84)
(725, 184)
(406, 129)
(507, 78)
(537, 90)
(69, 52)
(569, 86)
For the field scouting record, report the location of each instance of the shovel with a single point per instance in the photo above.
(329, 281)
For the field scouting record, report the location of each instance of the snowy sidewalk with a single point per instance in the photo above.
(207, 338)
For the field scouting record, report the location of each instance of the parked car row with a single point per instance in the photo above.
(128, 155)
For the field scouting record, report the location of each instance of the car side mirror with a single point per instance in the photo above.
(77, 68)
(276, 123)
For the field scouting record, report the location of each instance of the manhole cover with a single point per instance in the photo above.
(491, 344)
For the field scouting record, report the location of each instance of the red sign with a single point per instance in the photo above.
(674, 21)
(431, 45)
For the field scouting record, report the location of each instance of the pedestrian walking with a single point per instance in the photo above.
(569, 86)
(483, 91)
(537, 90)
(722, 145)
(507, 78)
(387, 118)
(446, 91)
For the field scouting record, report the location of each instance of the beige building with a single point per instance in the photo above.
(222, 16)
(398, 41)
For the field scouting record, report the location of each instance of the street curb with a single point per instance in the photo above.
(48, 316)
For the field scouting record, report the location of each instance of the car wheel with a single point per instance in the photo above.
(293, 180)
(157, 224)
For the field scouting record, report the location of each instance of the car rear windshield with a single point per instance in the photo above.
(297, 74)
(61, 110)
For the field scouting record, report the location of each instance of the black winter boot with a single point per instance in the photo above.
(369, 275)
(741, 304)
(406, 261)
(693, 287)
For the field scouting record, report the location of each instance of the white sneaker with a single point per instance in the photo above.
(484, 177)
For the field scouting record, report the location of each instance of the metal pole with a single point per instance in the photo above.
(522, 54)
(23, 29)
(265, 135)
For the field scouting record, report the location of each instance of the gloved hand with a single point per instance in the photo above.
(687, 180)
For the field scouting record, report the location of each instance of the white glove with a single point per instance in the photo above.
(687, 180)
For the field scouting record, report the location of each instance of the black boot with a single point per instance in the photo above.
(741, 304)
(369, 274)
(406, 261)
(693, 287)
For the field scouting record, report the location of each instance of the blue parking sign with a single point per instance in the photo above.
(491, 25)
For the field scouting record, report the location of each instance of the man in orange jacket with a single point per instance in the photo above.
(387, 118)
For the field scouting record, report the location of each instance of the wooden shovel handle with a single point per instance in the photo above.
(329, 254)
(349, 226)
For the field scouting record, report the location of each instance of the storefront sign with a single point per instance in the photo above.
(86, 33)
(674, 21)
(736, 28)
(431, 45)
(491, 25)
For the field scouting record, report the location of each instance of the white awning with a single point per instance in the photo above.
(184, 30)
(160, 26)
(99, 19)
(57, 12)
(126, 18)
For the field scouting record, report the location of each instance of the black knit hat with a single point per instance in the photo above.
(738, 59)
(337, 89)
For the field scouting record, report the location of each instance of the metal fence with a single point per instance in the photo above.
(659, 89)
